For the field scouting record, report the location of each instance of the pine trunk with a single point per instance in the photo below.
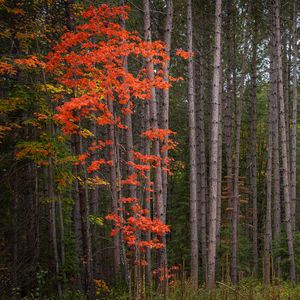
(192, 152)
(283, 144)
(294, 119)
(158, 188)
(215, 123)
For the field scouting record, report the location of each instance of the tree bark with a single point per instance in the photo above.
(201, 159)
(283, 144)
(192, 152)
(166, 96)
(114, 190)
(294, 120)
(253, 168)
(158, 189)
(214, 150)
(236, 183)
(268, 221)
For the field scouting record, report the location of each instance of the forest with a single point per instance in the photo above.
(148, 149)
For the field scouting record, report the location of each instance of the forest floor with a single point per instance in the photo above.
(247, 290)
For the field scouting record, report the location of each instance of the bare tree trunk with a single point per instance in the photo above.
(165, 98)
(294, 120)
(201, 161)
(85, 224)
(253, 181)
(228, 108)
(192, 152)
(52, 215)
(77, 219)
(214, 151)
(219, 205)
(268, 221)
(15, 238)
(276, 163)
(62, 234)
(283, 144)
(236, 189)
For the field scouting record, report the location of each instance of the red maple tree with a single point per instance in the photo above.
(89, 64)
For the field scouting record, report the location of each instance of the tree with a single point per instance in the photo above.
(192, 152)
(283, 142)
(104, 82)
(214, 151)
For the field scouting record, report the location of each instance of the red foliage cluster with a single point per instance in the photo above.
(90, 63)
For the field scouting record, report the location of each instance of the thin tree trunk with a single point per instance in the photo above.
(114, 191)
(166, 96)
(283, 144)
(85, 224)
(76, 219)
(228, 108)
(192, 152)
(294, 120)
(276, 163)
(219, 205)
(201, 161)
(268, 221)
(62, 234)
(158, 192)
(214, 151)
(52, 216)
(253, 167)
(236, 188)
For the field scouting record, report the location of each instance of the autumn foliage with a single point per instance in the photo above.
(89, 64)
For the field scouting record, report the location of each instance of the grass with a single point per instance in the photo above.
(247, 290)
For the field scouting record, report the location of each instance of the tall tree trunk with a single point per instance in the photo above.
(62, 235)
(158, 192)
(268, 221)
(85, 224)
(276, 163)
(236, 183)
(192, 152)
(52, 216)
(294, 119)
(253, 181)
(214, 151)
(114, 190)
(201, 160)
(166, 96)
(219, 204)
(228, 106)
(76, 220)
(130, 171)
(283, 144)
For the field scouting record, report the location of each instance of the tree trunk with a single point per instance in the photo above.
(236, 188)
(52, 216)
(85, 224)
(62, 233)
(283, 144)
(219, 204)
(201, 160)
(192, 152)
(253, 181)
(268, 221)
(158, 192)
(114, 191)
(294, 120)
(165, 96)
(214, 150)
(276, 163)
